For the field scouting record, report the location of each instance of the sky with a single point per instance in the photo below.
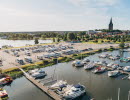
(63, 15)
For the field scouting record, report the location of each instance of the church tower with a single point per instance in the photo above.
(111, 25)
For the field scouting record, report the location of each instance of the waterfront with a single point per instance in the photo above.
(101, 87)
(18, 43)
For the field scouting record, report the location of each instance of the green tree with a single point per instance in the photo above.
(53, 39)
(58, 39)
(122, 44)
(71, 36)
(36, 41)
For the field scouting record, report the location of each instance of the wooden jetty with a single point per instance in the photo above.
(44, 88)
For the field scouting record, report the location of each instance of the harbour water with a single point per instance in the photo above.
(18, 43)
(98, 86)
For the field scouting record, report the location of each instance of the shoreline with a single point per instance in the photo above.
(15, 72)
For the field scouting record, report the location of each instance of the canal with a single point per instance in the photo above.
(98, 86)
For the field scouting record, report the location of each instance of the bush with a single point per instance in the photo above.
(100, 50)
(54, 60)
(121, 45)
(45, 62)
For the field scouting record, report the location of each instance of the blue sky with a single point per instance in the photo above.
(62, 15)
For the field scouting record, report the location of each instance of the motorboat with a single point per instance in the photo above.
(101, 63)
(103, 56)
(85, 61)
(126, 68)
(89, 66)
(58, 84)
(118, 57)
(74, 92)
(114, 66)
(3, 93)
(110, 64)
(37, 75)
(33, 71)
(113, 58)
(77, 63)
(5, 80)
(124, 60)
(113, 73)
(127, 50)
(99, 69)
(129, 77)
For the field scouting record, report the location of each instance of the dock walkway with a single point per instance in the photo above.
(45, 89)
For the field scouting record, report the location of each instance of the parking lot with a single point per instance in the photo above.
(20, 56)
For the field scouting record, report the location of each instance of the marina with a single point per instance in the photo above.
(90, 80)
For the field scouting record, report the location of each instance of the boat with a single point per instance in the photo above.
(36, 70)
(113, 73)
(102, 56)
(58, 84)
(126, 68)
(129, 77)
(114, 66)
(38, 75)
(85, 61)
(113, 58)
(33, 71)
(118, 57)
(100, 62)
(74, 92)
(3, 93)
(110, 64)
(89, 66)
(126, 50)
(5, 79)
(124, 60)
(99, 69)
(77, 63)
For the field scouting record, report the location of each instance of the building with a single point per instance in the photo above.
(111, 25)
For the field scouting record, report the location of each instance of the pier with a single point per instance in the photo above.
(42, 87)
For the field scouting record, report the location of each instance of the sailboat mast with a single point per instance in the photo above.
(119, 94)
(129, 95)
(55, 69)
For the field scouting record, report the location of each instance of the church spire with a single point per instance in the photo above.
(111, 25)
(111, 21)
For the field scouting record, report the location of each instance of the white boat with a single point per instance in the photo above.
(114, 66)
(129, 77)
(85, 61)
(103, 56)
(37, 75)
(77, 63)
(33, 71)
(127, 50)
(3, 93)
(89, 66)
(99, 69)
(113, 73)
(36, 71)
(127, 68)
(100, 62)
(74, 92)
(110, 64)
(58, 84)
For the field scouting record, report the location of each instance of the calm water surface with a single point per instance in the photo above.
(98, 86)
(18, 43)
